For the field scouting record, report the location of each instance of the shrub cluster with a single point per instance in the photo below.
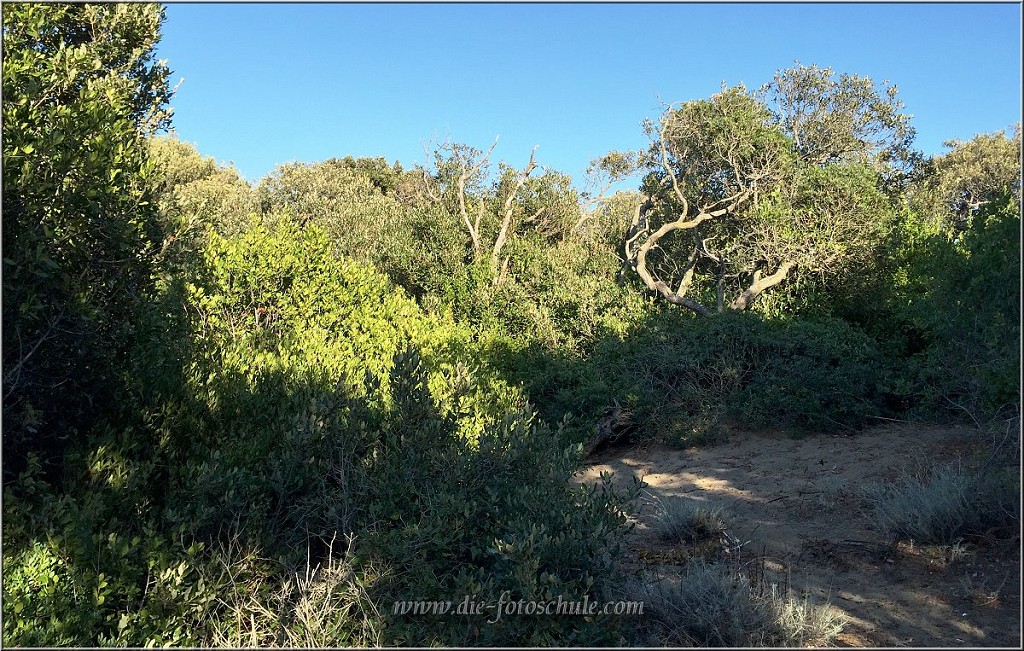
(318, 401)
(684, 374)
(261, 415)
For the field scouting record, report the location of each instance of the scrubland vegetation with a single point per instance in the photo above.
(260, 414)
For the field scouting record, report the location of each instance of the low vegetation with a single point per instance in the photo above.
(947, 506)
(715, 605)
(686, 521)
(261, 415)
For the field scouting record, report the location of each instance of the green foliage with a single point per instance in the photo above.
(376, 214)
(317, 401)
(844, 118)
(958, 300)
(789, 190)
(563, 296)
(971, 175)
(81, 91)
(193, 192)
(262, 416)
(833, 222)
(685, 376)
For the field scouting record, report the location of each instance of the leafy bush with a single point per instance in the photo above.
(316, 401)
(194, 192)
(961, 305)
(797, 374)
(683, 375)
(374, 213)
(81, 91)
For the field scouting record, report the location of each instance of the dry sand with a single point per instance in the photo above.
(799, 504)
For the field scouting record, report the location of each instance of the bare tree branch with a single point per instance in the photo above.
(427, 180)
(640, 259)
(668, 167)
(506, 221)
(465, 175)
(749, 295)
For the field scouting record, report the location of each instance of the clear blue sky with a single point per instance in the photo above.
(270, 83)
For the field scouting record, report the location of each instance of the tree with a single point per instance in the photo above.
(460, 172)
(81, 93)
(973, 174)
(742, 192)
(192, 192)
(601, 174)
(844, 119)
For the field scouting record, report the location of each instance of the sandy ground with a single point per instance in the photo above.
(798, 503)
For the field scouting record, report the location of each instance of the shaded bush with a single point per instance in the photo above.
(962, 306)
(81, 91)
(946, 506)
(711, 605)
(317, 403)
(682, 375)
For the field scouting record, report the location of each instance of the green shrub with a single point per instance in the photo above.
(813, 375)
(81, 92)
(684, 375)
(959, 306)
(760, 373)
(315, 402)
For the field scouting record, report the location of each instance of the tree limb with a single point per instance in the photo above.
(746, 299)
(641, 261)
(507, 219)
(465, 175)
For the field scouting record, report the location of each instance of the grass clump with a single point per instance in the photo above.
(797, 622)
(328, 604)
(683, 520)
(946, 505)
(712, 605)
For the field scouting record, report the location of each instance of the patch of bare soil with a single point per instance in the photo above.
(798, 502)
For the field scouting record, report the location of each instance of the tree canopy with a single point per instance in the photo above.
(754, 187)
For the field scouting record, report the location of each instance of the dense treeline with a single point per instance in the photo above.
(212, 388)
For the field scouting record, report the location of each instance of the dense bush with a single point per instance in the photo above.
(683, 374)
(318, 402)
(193, 192)
(261, 416)
(378, 214)
(960, 309)
(81, 92)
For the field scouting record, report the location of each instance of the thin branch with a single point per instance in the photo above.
(427, 180)
(668, 168)
(506, 222)
(465, 175)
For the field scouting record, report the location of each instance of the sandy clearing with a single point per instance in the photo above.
(797, 501)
